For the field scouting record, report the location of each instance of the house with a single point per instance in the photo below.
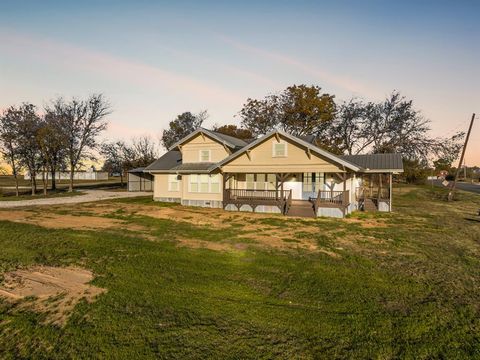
(277, 173)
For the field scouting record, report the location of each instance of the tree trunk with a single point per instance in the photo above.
(32, 183)
(72, 172)
(35, 184)
(54, 183)
(15, 175)
(121, 179)
(45, 181)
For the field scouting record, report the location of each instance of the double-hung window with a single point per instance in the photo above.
(205, 155)
(173, 182)
(279, 149)
(204, 183)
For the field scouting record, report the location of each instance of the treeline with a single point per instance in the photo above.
(351, 127)
(63, 137)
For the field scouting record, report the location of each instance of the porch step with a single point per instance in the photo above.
(369, 205)
(301, 209)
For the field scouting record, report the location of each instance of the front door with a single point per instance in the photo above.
(311, 184)
(296, 187)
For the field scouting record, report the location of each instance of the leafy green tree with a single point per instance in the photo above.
(183, 125)
(234, 131)
(299, 110)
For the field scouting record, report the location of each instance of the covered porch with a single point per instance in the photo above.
(297, 194)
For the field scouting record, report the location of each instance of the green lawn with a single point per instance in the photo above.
(401, 285)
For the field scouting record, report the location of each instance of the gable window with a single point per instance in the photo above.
(173, 182)
(204, 183)
(205, 155)
(279, 149)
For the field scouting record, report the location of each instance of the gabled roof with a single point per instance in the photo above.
(167, 161)
(376, 162)
(297, 140)
(227, 140)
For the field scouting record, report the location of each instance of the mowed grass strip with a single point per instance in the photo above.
(405, 286)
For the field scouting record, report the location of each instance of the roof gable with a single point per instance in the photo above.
(226, 140)
(300, 143)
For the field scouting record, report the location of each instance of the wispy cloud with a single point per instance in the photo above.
(340, 81)
(114, 67)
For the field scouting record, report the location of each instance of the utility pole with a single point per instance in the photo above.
(452, 190)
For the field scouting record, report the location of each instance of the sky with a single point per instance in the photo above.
(154, 60)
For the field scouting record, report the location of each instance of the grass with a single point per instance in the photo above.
(405, 288)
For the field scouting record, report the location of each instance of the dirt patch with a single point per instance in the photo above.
(51, 290)
(57, 221)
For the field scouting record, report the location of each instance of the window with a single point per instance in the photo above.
(250, 179)
(214, 183)
(205, 155)
(193, 183)
(271, 181)
(261, 181)
(204, 183)
(279, 149)
(173, 183)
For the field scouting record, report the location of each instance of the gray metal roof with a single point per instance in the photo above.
(167, 161)
(373, 162)
(230, 139)
(137, 170)
(186, 167)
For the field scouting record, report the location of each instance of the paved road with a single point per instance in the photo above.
(89, 196)
(462, 186)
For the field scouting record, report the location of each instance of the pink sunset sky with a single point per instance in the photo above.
(155, 61)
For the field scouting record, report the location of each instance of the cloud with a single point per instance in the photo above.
(343, 82)
(114, 67)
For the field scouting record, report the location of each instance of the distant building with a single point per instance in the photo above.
(89, 174)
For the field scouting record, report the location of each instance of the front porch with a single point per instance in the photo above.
(309, 194)
(306, 194)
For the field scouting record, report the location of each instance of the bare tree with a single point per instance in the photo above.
(145, 151)
(28, 147)
(9, 122)
(81, 122)
(52, 145)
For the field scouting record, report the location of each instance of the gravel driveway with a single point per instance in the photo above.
(88, 196)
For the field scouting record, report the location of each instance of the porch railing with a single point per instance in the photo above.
(332, 198)
(372, 193)
(280, 198)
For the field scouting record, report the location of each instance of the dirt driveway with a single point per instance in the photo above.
(88, 196)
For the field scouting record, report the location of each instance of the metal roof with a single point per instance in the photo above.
(186, 167)
(375, 162)
(232, 140)
(137, 170)
(167, 161)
